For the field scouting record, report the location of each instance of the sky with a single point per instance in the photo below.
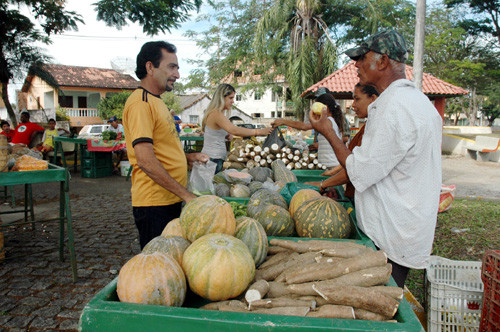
(96, 45)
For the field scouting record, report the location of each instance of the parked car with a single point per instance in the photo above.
(93, 130)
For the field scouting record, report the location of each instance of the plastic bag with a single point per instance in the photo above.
(275, 137)
(202, 175)
(292, 187)
(446, 197)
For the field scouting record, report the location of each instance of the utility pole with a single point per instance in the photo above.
(418, 60)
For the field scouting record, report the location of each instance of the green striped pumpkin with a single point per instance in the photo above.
(262, 197)
(275, 220)
(172, 245)
(207, 214)
(322, 217)
(251, 232)
(218, 266)
(281, 173)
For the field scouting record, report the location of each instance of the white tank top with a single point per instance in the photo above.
(326, 156)
(214, 143)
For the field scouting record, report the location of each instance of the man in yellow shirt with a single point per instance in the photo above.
(159, 175)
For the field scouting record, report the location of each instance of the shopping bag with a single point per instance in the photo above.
(446, 197)
(202, 175)
(275, 137)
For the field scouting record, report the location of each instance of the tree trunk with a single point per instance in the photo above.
(472, 108)
(10, 110)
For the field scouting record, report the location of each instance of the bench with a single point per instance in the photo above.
(483, 147)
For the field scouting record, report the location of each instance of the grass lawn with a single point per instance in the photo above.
(483, 220)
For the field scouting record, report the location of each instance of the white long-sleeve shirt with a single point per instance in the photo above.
(397, 174)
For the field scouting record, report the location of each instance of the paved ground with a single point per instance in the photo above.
(37, 292)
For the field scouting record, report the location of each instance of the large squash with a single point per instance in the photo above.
(263, 197)
(218, 266)
(251, 232)
(152, 279)
(275, 220)
(173, 228)
(207, 214)
(281, 173)
(172, 245)
(322, 217)
(300, 197)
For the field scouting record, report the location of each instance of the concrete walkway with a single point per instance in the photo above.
(37, 292)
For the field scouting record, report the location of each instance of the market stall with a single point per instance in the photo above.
(52, 174)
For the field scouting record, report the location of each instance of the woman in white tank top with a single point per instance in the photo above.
(218, 128)
(326, 155)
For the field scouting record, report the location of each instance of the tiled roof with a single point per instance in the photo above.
(187, 101)
(90, 77)
(342, 82)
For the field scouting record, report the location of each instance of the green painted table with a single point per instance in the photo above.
(191, 143)
(58, 140)
(52, 174)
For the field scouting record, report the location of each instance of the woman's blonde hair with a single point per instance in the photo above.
(218, 101)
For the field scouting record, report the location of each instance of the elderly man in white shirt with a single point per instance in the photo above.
(396, 172)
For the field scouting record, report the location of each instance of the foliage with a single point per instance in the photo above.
(491, 105)
(172, 101)
(456, 56)
(61, 114)
(486, 19)
(266, 40)
(20, 38)
(154, 16)
(113, 105)
(483, 234)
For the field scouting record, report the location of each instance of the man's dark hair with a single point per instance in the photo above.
(51, 120)
(151, 51)
(4, 123)
(26, 113)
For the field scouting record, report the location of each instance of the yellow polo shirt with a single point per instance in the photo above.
(146, 118)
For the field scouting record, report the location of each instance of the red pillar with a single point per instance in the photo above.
(439, 103)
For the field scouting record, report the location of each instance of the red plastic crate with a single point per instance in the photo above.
(490, 274)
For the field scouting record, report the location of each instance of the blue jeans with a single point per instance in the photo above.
(219, 163)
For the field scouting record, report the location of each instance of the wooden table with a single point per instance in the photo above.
(53, 174)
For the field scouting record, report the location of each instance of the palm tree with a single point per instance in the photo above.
(295, 29)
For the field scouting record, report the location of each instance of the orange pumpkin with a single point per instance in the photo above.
(300, 197)
(218, 266)
(152, 279)
(207, 214)
(173, 228)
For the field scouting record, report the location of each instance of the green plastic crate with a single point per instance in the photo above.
(240, 200)
(105, 313)
(308, 171)
(96, 172)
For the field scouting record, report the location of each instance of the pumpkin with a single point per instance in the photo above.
(154, 278)
(172, 245)
(275, 220)
(207, 214)
(218, 266)
(262, 197)
(251, 232)
(322, 217)
(300, 197)
(220, 178)
(239, 190)
(173, 228)
(222, 190)
(238, 177)
(281, 173)
(254, 186)
(260, 173)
